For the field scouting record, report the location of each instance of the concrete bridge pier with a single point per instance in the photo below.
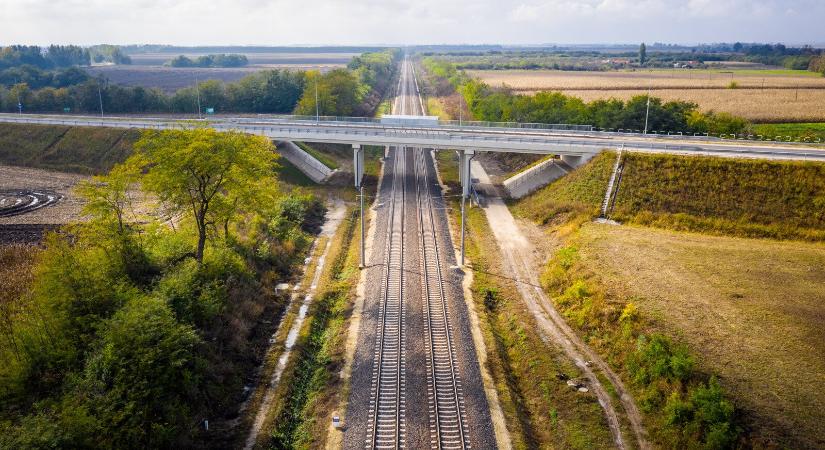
(358, 170)
(465, 157)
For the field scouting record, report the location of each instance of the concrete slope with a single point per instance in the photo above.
(306, 163)
(536, 177)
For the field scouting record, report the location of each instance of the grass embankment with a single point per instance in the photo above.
(577, 195)
(85, 150)
(796, 131)
(739, 197)
(650, 301)
(540, 409)
(781, 200)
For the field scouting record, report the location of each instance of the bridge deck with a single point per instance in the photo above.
(452, 136)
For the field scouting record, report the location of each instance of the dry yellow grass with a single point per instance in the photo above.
(535, 80)
(769, 105)
(780, 101)
(752, 310)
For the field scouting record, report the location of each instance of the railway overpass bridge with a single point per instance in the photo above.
(573, 143)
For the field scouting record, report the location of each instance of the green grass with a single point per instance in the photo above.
(739, 197)
(776, 199)
(85, 150)
(796, 131)
(578, 193)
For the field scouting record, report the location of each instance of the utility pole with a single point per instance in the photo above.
(100, 98)
(647, 113)
(19, 103)
(317, 110)
(198, 91)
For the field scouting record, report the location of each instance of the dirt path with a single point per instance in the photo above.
(517, 253)
(334, 217)
(503, 440)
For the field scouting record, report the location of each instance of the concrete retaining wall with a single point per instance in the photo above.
(533, 178)
(306, 163)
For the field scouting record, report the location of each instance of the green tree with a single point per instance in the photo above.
(198, 171)
(642, 54)
(108, 197)
(143, 382)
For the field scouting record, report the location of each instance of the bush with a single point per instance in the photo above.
(656, 358)
(144, 379)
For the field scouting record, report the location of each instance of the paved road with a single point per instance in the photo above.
(432, 406)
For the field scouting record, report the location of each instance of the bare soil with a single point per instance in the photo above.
(67, 209)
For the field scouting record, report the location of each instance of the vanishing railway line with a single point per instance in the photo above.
(444, 392)
(387, 393)
(386, 421)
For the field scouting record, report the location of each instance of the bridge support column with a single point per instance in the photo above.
(465, 156)
(358, 170)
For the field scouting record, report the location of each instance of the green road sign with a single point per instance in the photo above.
(67, 109)
(210, 110)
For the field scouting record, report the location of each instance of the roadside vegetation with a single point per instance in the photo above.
(138, 327)
(356, 90)
(794, 131)
(486, 103)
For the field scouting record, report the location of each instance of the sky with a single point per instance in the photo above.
(398, 22)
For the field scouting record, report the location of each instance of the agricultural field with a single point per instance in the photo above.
(147, 69)
(757, 95)
(257, 59)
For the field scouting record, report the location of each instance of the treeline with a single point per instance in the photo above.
(54, 56)
(502, 105)
(817, 64)
(356, 90)
(137, 328)
(109, 53)
(222, 60)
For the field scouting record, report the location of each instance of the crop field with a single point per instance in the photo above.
(759, 96)
(147, 69)
(259, 59)
(170, 79)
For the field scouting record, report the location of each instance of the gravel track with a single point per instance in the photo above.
(418, 415)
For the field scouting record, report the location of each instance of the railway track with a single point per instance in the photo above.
(387, 393)
(447, 419)
(444, 393)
